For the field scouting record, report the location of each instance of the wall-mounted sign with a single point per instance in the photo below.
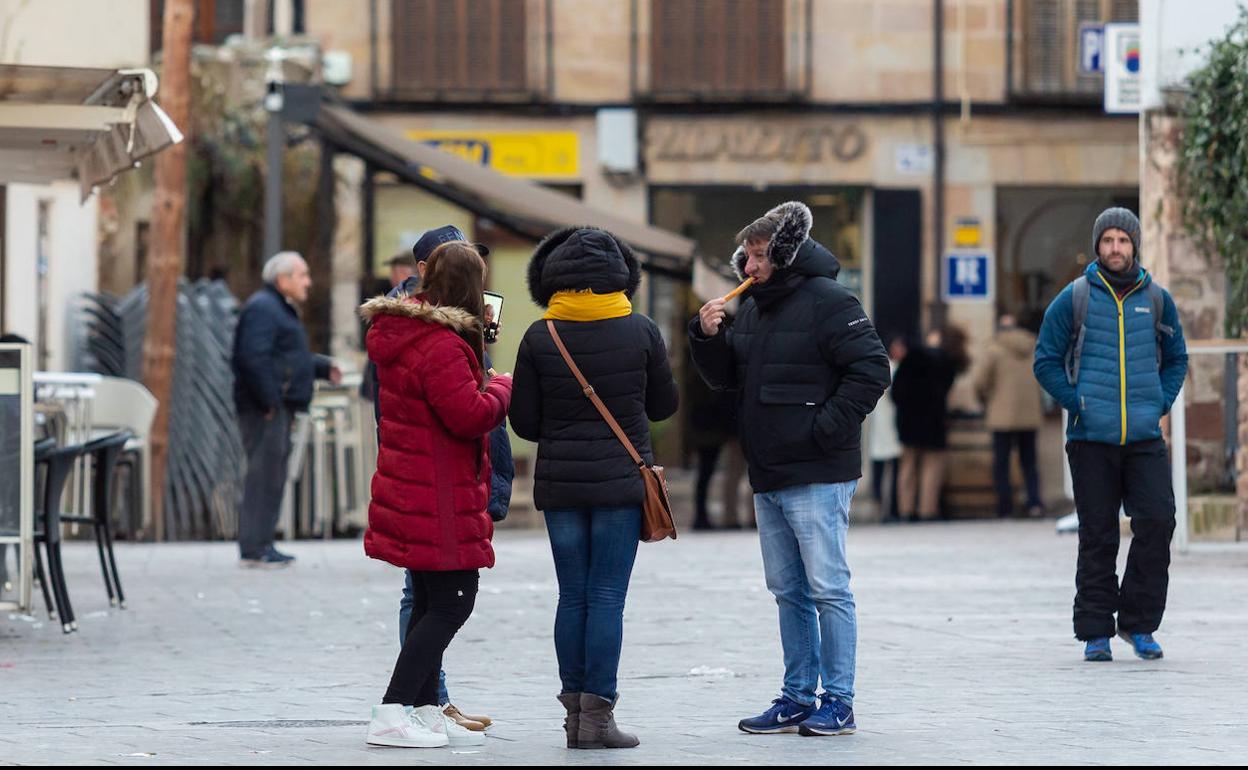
(1122, 68)
(967, 276)
(532, 154)
(1091, 48)
(693, 141)
(913, 159)
(967, 232)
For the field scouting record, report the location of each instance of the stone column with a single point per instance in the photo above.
(345, 258)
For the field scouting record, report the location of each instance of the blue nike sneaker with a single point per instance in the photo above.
(783, 717)
(1144, 645)
(831, 718)
(1097, 650)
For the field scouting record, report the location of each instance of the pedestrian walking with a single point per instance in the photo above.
(1111, 352)
(1013, 411)
(921, 393)
(807, 367)
(585, 482)
(430, 492)
(885, 446)
(274, 374)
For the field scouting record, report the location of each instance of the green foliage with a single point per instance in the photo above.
(1213, 163)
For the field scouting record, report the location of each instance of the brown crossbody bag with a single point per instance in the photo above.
(656, 513)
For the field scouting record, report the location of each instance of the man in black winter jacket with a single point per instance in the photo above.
(807, 367)
(274, 375)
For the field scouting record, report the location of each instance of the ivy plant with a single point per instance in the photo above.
(1213, 163)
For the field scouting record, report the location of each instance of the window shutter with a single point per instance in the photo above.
(472, 46)
(722, 48)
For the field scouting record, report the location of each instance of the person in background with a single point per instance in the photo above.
(885, 447)
(274, 372)
(1013, 411)
(921, 393)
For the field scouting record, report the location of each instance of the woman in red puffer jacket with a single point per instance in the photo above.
(431, 488)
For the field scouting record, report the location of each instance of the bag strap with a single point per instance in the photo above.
(589, 392)
(1080, 296)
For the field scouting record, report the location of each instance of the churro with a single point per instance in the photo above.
(747, 283)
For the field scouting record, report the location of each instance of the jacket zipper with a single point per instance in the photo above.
(1122, 350)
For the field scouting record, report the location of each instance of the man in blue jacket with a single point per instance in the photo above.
(1111, 352)
(274, 374)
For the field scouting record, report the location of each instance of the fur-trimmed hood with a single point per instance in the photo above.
(793, 222)
(390, 334)
(579, 259)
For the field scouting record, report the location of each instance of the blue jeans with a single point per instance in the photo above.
(802, 532)
(594, 550)
(405, 617)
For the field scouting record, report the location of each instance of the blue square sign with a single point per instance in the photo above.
(968, 276)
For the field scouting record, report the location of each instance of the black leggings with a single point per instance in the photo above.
(441, 604)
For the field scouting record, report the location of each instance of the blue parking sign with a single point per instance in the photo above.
(968, 276)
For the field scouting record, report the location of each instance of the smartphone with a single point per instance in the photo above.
(493, 315)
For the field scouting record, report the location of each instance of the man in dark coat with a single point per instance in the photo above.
(807, 367)
(274, 374)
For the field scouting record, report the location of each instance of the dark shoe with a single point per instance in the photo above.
(268, 561)
(280, 556)
(831, 718)
(597, 727)
(1144, 645)
(701, 525)
(1097, 651)
(572, 722)
(783, 717)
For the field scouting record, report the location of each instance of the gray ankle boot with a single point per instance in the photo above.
(572, 723)
(598, 730)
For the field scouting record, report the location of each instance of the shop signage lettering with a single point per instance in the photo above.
(795, 144)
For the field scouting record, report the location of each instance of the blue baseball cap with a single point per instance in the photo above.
(434, 238)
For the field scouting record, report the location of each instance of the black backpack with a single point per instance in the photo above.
(1080, 296)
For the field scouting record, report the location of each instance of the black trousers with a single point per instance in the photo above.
(1003, 443)
(1137, 478)
(878, 468)
(441, 604)
(267, 443)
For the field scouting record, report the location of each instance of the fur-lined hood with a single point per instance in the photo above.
(580, 259)
(388, 338)
(793, 222)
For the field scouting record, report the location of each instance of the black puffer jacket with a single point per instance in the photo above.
(273, 364)
(805, 361)
(580, 462)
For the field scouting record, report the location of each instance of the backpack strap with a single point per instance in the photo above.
(1079, 297)
(1157, 298)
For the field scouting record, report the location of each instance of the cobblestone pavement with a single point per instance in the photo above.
(965, 655)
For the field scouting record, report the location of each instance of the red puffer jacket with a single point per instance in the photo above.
(432, 483)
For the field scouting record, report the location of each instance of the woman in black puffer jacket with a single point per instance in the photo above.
(585, 482)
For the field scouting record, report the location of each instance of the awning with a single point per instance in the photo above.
(525, 206)
(61, 123)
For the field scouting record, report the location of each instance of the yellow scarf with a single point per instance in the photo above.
(587, 306)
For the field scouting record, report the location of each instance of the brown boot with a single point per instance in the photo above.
(476, 724)
(598, 730)
(572, 723)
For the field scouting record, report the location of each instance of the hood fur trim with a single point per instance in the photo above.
(793, 223)
(453, 318)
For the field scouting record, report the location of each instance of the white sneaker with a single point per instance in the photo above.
(462, 736)
(391, 726)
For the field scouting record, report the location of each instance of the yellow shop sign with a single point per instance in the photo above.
(536, 154)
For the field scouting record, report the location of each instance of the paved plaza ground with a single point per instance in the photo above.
(965, 655)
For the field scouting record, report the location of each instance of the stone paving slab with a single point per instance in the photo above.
(965, 655)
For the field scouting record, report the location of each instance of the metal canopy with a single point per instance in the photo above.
(89, 125)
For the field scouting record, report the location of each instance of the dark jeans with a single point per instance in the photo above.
(441, 603)
(1003, 443)
(267, 443)
(878, 470)
(1136, 477)
(708, 458)
(594, 550)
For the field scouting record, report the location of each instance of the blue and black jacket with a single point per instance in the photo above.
(1123, 389)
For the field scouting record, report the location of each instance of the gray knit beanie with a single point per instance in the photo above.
(1122, 219)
